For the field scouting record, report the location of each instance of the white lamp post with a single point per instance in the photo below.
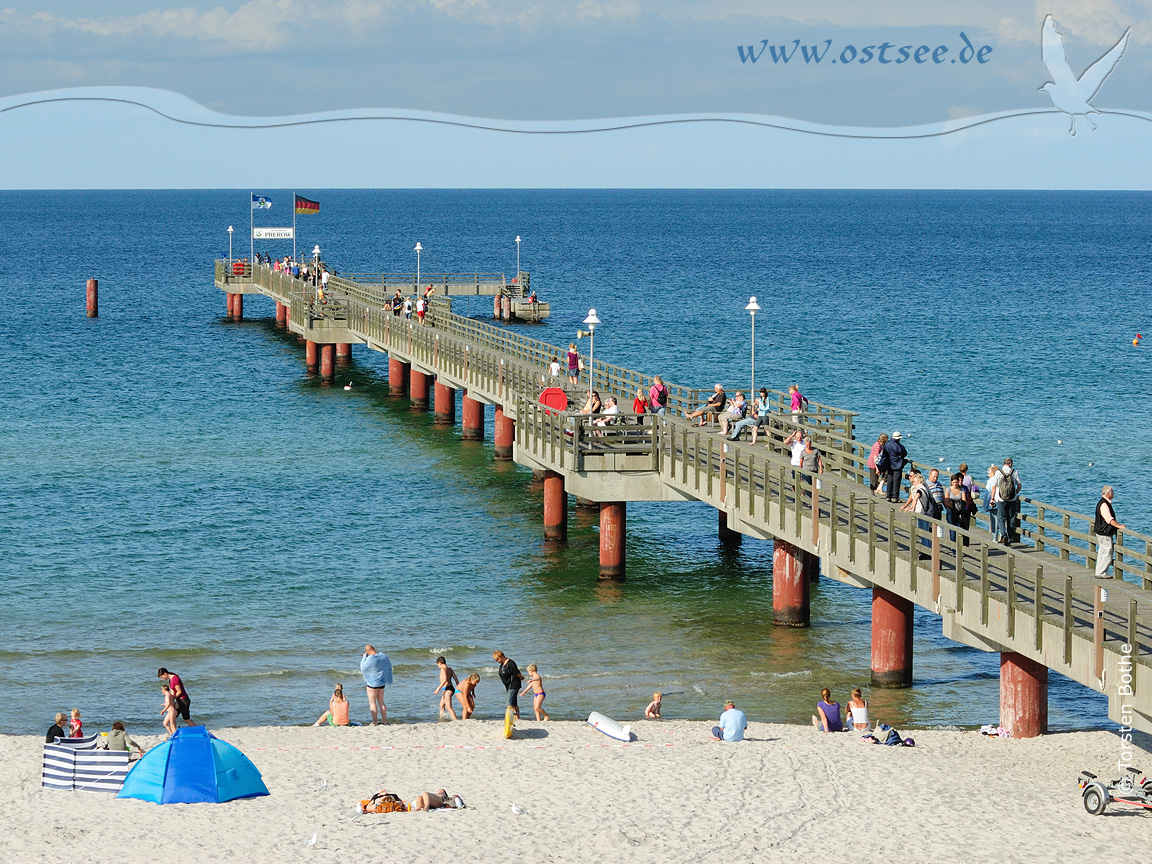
(518, 264)
(418, 250)
(591, 321)
(229, 244)
(753, 307)
(316, 254)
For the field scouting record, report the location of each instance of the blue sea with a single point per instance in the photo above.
(176, 490)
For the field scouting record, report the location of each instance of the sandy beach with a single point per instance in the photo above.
(785, 794)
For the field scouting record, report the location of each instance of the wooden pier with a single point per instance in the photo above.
(1036, 603)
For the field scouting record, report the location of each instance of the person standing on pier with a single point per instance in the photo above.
(895, 456)
(874, 469)
(1105, 528)
(573, 364)
(377, 671)
(658, 396)
(1008, 485)
(397, 303)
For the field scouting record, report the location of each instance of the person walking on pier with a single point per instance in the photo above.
(1008, 485)
(658, 396)
(873, 467)
(573, 364)
(397, 303)
(895, 456)
(797, 402)
(958, 505)
(1105, 528)
(377, 671)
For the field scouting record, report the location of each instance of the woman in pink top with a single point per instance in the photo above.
(873, 472)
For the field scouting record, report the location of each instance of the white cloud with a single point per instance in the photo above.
(1098, 22)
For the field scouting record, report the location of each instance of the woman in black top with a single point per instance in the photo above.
(958, 505)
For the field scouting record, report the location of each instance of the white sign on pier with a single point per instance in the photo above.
(273, 233)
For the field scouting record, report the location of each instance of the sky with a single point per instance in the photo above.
(533, 65)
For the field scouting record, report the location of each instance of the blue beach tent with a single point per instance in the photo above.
(193, 767)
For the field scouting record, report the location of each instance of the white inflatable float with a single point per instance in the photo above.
(609, 727)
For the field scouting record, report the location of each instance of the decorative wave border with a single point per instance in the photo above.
(177, 108)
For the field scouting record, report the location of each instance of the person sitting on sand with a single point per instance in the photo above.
(857, 711)
(536, 685)
(430, 801)
(118, 740)
(56, 730)
(652, 712)
(448, 682)
(337, 713)
(732, 724)
(827, 716)
(466, 695)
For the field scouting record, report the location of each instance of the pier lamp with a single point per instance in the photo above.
(752, 308)
(229, 243)
(316, 254)
(591, 321)
(518, 264)
(418, 250)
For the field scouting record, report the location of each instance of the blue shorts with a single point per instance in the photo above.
(513, 693)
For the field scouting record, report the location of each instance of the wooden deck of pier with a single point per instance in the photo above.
(1036, 602)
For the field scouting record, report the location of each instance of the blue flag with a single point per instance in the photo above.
(259, 202)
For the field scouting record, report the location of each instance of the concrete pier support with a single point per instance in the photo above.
(93, 292)
(555, 507)
(311, 355)
(418, 390)
(612, 535)
(790, 601)
(728, 537)
(445, 407)
(343, 353)
(327, 363)
(472, 422)
(1023, 695)
(891, 639)
(228, 295)
(281, 314)
(237, 307)
(506, 308)
(505, 434)
(397, 376)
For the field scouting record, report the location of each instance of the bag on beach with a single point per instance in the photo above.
(383, 802)
(885, 734)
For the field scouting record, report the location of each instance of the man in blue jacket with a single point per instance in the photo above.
(896, 457)
(377, 671)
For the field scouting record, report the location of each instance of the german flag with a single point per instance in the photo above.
(305, 207)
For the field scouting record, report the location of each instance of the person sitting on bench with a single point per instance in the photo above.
(714, 405)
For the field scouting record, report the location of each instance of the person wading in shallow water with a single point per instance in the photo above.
(180, 698)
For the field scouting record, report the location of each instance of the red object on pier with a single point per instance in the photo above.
(445, 404)
(397, 376)
(505, 434)
(237, 268)
(93, 298)
(418, 389)
(891, 639)
(1023, 695)
(472, 423)
(555, 507)
(311, 362)
(790, 596)
(613, 515)
(327, 363)
(554, 398)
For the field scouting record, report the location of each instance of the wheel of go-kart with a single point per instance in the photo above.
(1095, 800)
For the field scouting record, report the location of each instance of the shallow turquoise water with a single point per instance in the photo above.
(177, 491)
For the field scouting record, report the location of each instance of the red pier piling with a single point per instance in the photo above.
(445, 404)
(397, 376)
(1023, 695)
(790, 600)
(613, 515)
(891, 639)
(555, 507)
(418, 390)
(472, 422)
(505, 434)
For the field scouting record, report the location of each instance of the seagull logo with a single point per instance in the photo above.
(1068, 93)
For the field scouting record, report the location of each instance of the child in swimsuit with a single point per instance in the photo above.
(652, 712)
(169, 710)
(448, 682)
(536, 685)
(75, 727)
(466, 695)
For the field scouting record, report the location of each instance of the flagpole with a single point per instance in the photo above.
(251, 231)
(293, 226)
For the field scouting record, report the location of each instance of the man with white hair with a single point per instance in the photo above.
(1105, 528)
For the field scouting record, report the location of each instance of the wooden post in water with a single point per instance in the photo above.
(790, 586)
(891, 639)
(613, 515)
(472, 423)
(555, 507)
(93, 298)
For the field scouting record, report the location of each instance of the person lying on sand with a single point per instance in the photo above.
(431, 801)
